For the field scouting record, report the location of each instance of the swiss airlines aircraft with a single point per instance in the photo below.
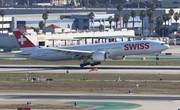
(96, 52)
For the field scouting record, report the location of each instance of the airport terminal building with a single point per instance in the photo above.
(73, 18)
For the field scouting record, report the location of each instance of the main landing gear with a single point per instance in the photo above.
(88, 63)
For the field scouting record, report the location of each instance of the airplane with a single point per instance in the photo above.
(96, 52)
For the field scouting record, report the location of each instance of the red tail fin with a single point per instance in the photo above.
(22, 40)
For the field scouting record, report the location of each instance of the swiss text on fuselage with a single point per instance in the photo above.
(137, 46)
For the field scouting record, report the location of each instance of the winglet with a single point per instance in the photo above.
(22, 40)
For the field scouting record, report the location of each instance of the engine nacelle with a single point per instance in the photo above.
(99, 56)
(117, 57)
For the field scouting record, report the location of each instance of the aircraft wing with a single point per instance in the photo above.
(25, 54)
(73, 52)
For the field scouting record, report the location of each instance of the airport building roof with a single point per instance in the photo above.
(54, 39)
(52, 26)
(23, 11)
(25, 28)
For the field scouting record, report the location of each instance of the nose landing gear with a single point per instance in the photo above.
(157, 58)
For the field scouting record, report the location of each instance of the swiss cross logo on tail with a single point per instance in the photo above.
(22, 39)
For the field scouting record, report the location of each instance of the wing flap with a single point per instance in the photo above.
(24, 54)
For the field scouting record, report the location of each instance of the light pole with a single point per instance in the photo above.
(163, 33)
(143, 21)
(2, 1)
(27, 2)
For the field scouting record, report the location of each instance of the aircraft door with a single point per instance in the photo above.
(152, 46)
(95, 48)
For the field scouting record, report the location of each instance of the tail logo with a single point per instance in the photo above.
(22, 40)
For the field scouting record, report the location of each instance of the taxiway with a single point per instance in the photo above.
(147, 102)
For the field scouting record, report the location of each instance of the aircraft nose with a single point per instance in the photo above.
(167, 46)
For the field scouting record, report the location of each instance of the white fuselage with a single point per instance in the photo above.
(114, 49)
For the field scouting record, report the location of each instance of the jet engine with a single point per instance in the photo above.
(117, 57)
(99, 56)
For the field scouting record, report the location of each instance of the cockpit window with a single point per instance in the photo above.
(162, 43)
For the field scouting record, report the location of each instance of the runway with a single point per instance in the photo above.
(103, 69)
(148, 102)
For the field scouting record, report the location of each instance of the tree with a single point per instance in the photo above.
(41, 25)
(45, 17)
(116, 18)
(150, 19)
(107, 4)
(2, 12)
(176, 18)
(110, 19)
(101, 27)
(126, 19)
(120, 8)
(72, 2)
(67, 2)
(168, 18)
(91, 16)
(153, 6)
(93, 3)
(165, 19)
(142, 16)
(83, 3)
(151, 22)
(133, 15)
(159, 23)
(171, 12)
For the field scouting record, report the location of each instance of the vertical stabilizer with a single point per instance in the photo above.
(22, 40)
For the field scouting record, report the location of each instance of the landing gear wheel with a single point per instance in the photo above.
(92, 64)
(81, 65)
(157, 58)
(87, 63)
(98, 63)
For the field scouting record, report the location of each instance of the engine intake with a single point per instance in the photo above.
(99, 56)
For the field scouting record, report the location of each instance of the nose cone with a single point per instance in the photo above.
(167, 46)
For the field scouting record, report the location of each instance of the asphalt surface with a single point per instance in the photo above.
(147, 102)
(92, 97)
(103, 69)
